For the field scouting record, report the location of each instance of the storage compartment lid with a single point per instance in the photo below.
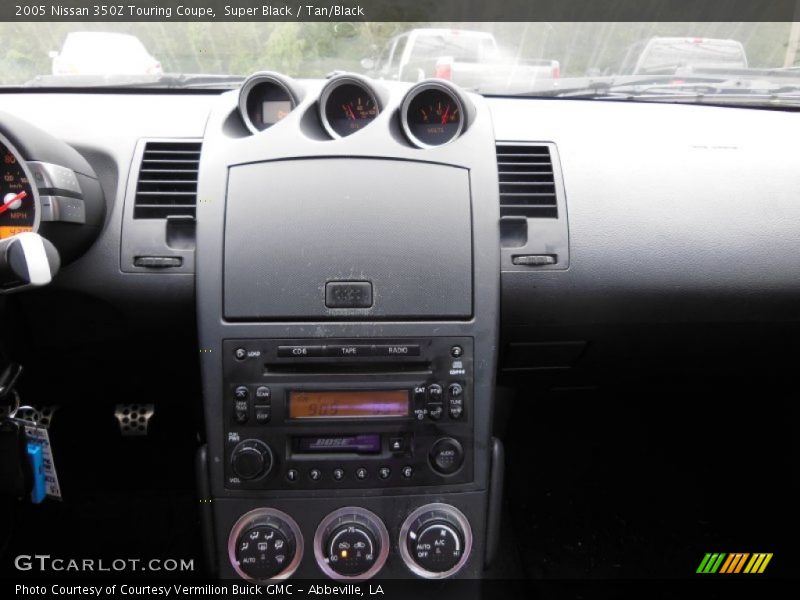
(294, 226)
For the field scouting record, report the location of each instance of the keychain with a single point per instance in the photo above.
(16, 473)
(26, 456)
(40, 456)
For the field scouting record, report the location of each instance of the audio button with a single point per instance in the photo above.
(446, 456)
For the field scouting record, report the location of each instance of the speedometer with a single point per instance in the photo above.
(347, 105)
(17, 200)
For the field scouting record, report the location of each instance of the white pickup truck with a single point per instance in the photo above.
(470, 59)
(680, 54)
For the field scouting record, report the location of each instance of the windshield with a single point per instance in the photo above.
(490, 58)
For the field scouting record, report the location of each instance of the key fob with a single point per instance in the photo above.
(16, 476)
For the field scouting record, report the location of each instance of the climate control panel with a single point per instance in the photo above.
(352, 543)
(435, 541)
(265, 544)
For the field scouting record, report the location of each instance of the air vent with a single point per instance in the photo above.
(527, 187)
(167, 184)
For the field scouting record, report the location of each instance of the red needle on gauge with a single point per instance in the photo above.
(348, 110)
(444, 116)
(7, 202)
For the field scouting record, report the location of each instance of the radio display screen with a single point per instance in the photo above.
(350, 403)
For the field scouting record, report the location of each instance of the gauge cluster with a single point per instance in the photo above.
(47, 188)
(347, 104)
(265, 99)
(20, 200)
(432, 114)
(429, 114)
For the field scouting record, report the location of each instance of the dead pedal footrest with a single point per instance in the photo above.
(134, 419)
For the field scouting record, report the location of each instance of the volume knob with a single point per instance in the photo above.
(251, 459)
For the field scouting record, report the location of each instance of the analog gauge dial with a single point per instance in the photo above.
(17, 206)
(265, 99)
(347, 107)
(432, 116)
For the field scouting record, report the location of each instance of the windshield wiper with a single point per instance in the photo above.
(168, 81)
(710, 89)
(707, 93)
(184, 80)
(594, 87)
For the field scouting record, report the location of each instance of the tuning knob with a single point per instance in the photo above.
(251, 459)
(435, 541)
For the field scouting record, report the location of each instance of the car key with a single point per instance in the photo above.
(16, 476)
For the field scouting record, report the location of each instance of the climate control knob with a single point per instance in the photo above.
(251, 459)
(265, 544)
(435, 541)
(351, 543)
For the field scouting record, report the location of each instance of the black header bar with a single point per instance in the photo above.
(401, 10)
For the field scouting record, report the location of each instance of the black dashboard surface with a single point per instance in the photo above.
(673, 255)
(665, 225)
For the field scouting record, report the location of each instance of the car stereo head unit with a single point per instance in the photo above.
(342, 414)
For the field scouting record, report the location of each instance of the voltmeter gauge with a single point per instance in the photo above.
(432, 114)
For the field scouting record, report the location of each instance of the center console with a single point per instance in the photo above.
(348, 316)
(337, 414)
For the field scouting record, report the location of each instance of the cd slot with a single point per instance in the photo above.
(337, 367)
(337, 444)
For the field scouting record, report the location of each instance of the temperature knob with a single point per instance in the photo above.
(351, 543)
(265, 544)
(435, 541)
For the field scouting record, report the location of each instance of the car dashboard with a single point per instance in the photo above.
(364, 269)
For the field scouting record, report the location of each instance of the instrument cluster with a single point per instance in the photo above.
(51, 205)
(18, 210)
(432, 112)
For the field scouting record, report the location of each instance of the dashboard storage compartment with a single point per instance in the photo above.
(292, 227)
